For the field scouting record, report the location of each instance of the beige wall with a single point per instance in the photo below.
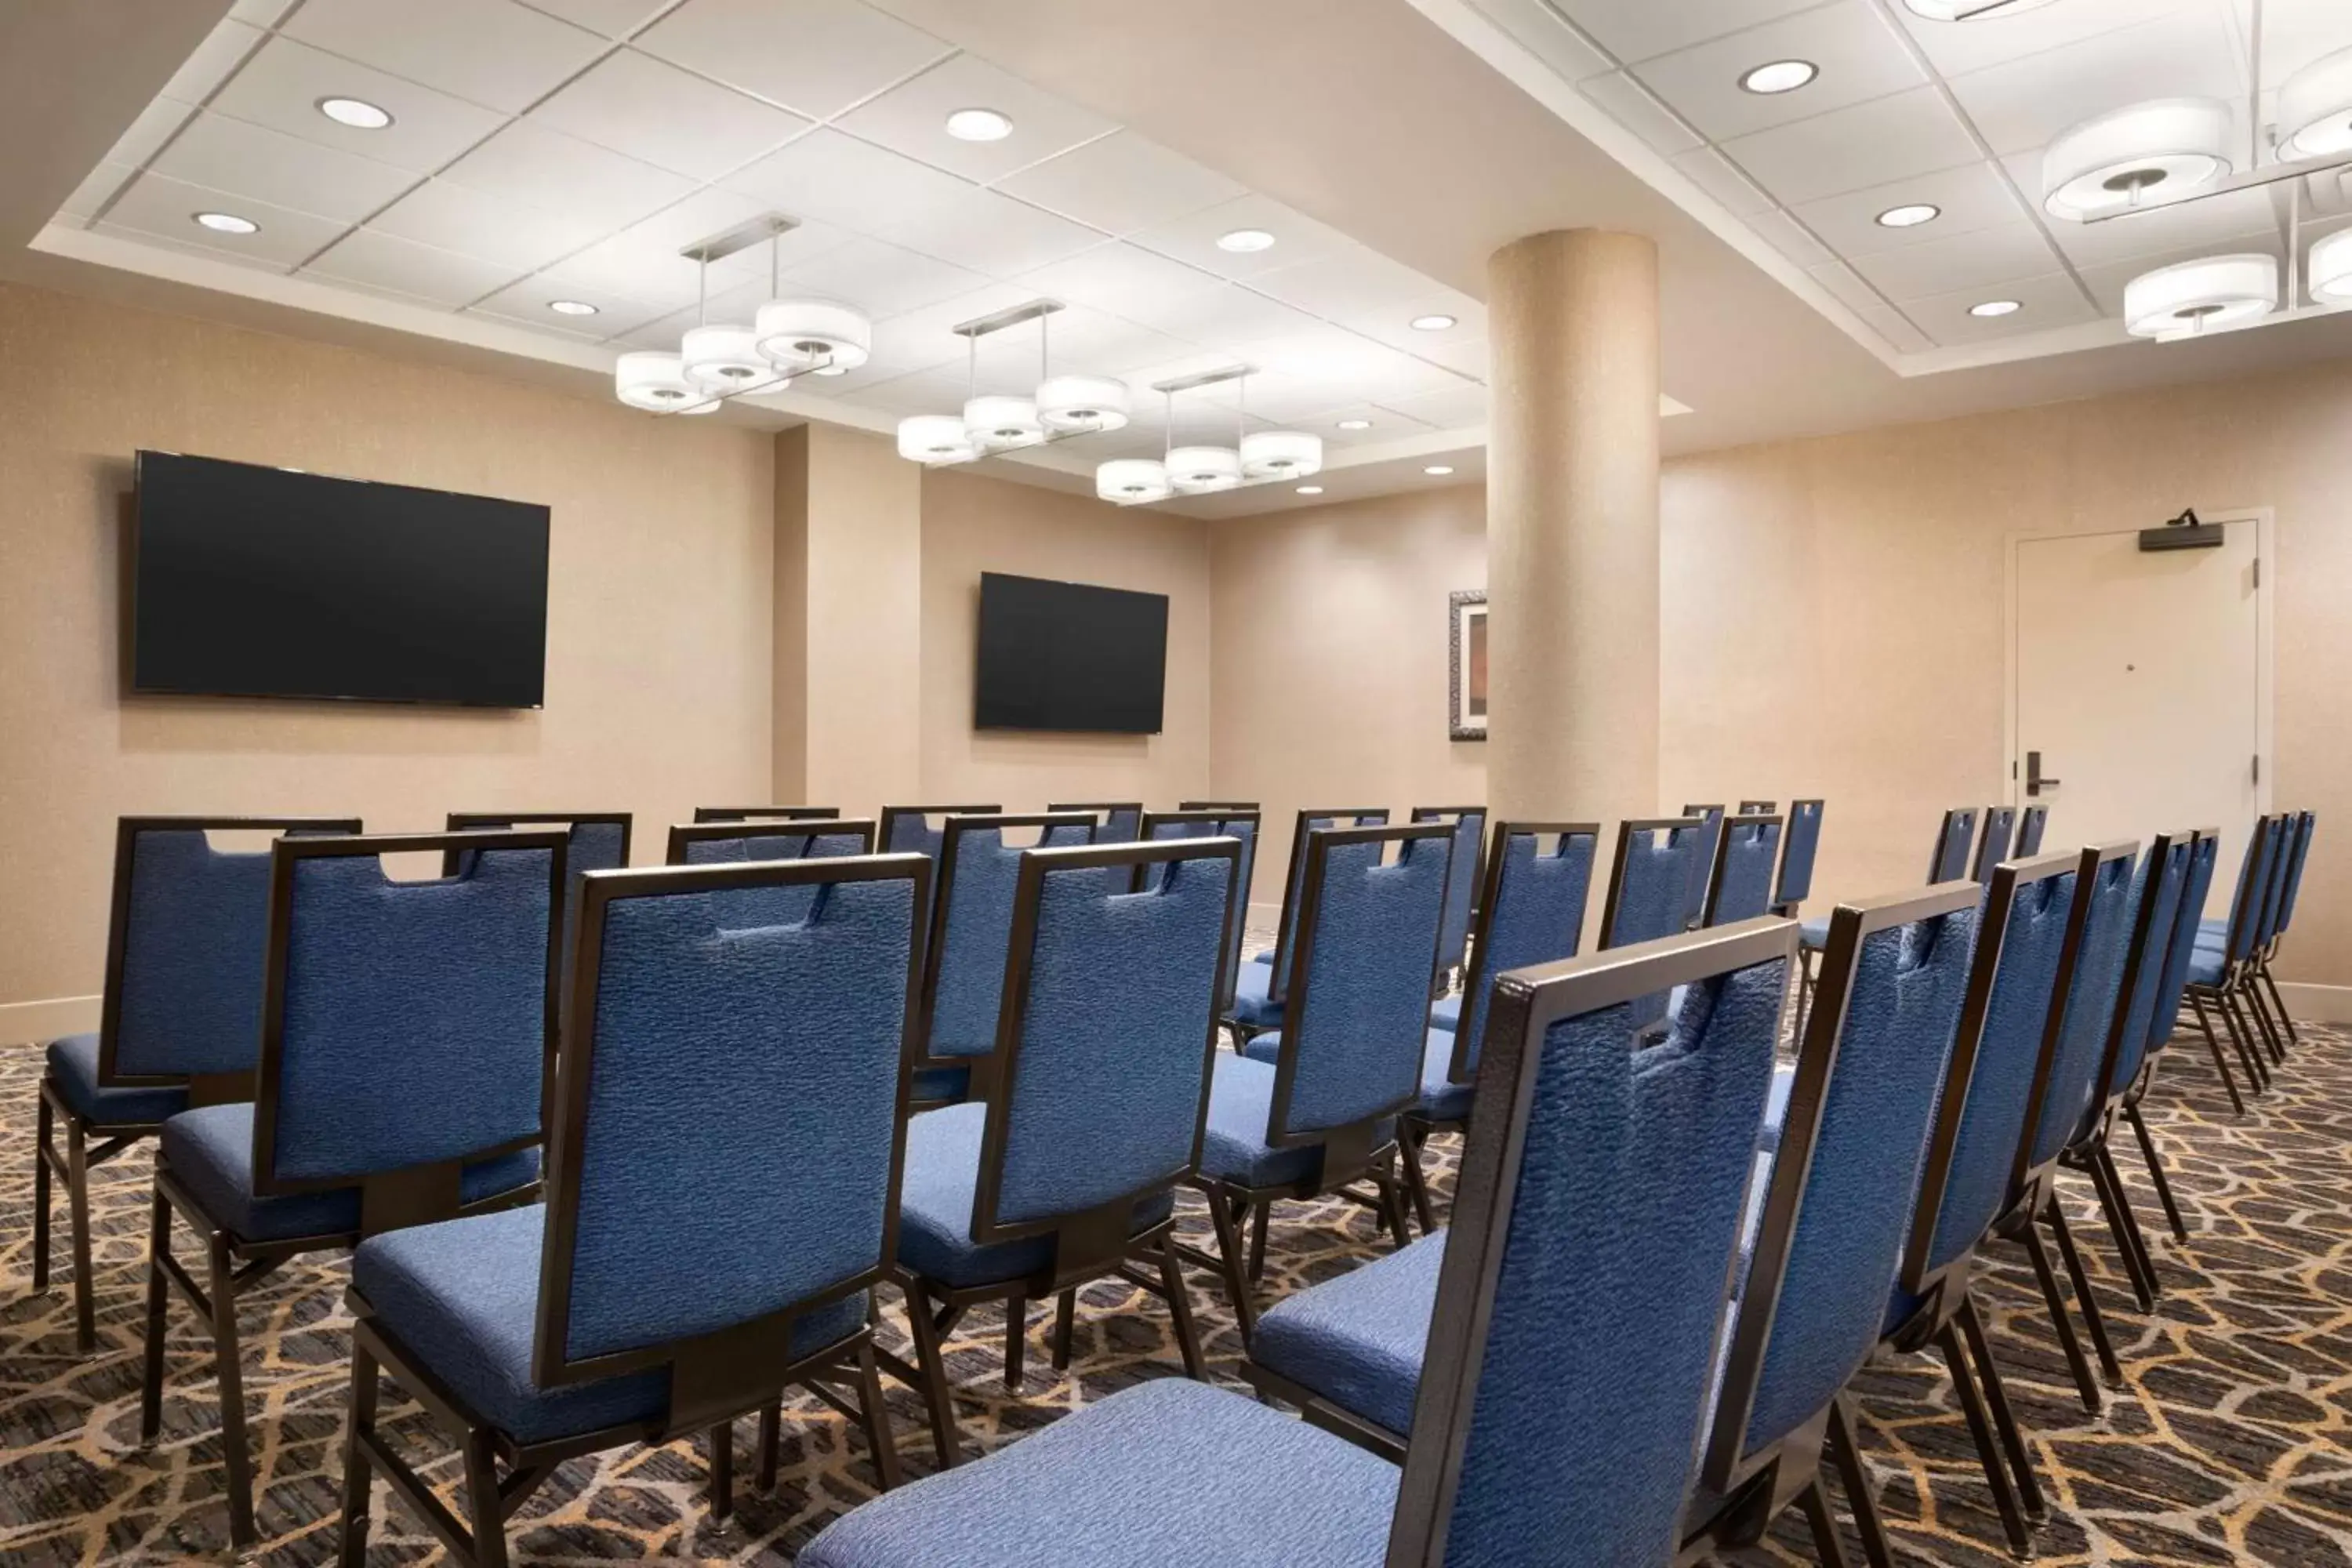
(973, 524)
(659, 594)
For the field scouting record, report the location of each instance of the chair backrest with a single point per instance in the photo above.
(1746, 848)
(1310, 822)
(2204, 853)
(595, 840)
(1758, 808)
(2031, 825)
(971, 920)
(744, 840)
(1703, 864)
(2282, 862)
(1104, 1041)
(1461, 878)
(1233, 805)
(1948, 861)
(1887, 1004)
(725, 1149)
(2163, 878)
(909, 829)
(1800, 845)
(1160, 826)
(1122, 821)
(1649, 880)
(2254, 884)
(1595, 1222)
(2092, 977)
(184, 944)
(761, 813)
(1986, 1101)
(2309, 821)
(1531, 913)
(1358, 1020)
(407, 1029)
(1993, 843)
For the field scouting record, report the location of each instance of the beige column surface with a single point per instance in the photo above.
(1572, 527)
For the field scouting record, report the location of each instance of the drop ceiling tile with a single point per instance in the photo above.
(1633, 105)
(738, 304)
(918, 392)
(156, 125)
(1992, 40)
(1356, 281)
(911, 118)
(1962, 261)
(1860, 55)
(530, 163)
(284, 171)
(2049, 302)
(1471, 357)
(527, 300)
(2027, 103)
(1790, 238)
(607, 19)
(1544, 30)
(95, 190)
(223, 50)
(2297, 32)
(1380, 424)
(638, 105)
(451, 216)
(1345, 364)
(1222, 313)
(1973, 196)
(993, 233)
(1847, 285)
(1897, 329)
(813, 57)
(1120, 183)
(1637, 29)
(1460, 408)
(494, 52)
(1096, 342)
(380, 262)
(883, 279)
(1193, 239)
(1393, 325)
(260, 13)
(645, 260)
(1720, 177)
(154, 204)
(1912, 132)
(281, 85)
(839, 180)
(1120, 279)
(925, 337)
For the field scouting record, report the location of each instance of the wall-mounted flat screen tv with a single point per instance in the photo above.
(1066, 656)
(251, 580)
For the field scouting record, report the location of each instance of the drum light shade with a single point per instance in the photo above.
(935, 438)
(725, 360)
(1202, 470)
(2202, 295)
(2314, 109)
(1131, 481)
(2331, 268)
(800, 335)
(999, 424)
(2146, 150)
(1069, 404)
(656, 381)
(1281, 454)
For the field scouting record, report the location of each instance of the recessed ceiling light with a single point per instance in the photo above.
(1996, 308)
(1437, 470)
(1243, 241)
(356, 112)
(979, 125)
(1355, 424)
(228, 223)
(831, 370)
(1909, 217)
(1436, 323)
(571, 307)
(1781, 75)
(1310, 490)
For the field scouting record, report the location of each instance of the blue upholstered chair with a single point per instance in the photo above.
(1561, 1373)
(1825, 1227)
(1260, 989)
(971, 919)
(1990, 1101)
(908, 829)
(593, 841)
(179, 1018)
(2164, 1013)
(2031, 823)
(1318, 1113)
(2305, 825)
(2217, 965)
(705, 813)
(1710, 834)
(1947, 861)
(1118, 822)
(1993, 845)
(743, 840)
(1650, 879)
(722, 1189)
(1086, 1115)
(1801, 847)
(407, 1041)
(1746, 850)
(1461, 884)
(1531, 913)
(2251, 978)
(1219, 822)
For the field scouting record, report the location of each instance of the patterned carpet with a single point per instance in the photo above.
(2229, 1446)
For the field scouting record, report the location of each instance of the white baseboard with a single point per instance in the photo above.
(33, 1022)
(2320, 1004)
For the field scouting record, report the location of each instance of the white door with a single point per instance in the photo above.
(2140, 686)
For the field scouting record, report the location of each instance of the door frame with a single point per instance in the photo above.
(2265, 623)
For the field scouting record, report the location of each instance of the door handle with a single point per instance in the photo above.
(2035, 781)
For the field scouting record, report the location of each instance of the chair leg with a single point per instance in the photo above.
(1845, 1456)
(2093, 1318)
(1065, 1323)
(2242, 1033)
(1417, 1178)
(358, 1476)
(2085, 1384)
(2138, 1238)
(772, 1423)
(723, 1472)
(2294, 1035)
(935, 1377)
(1393, 1204)
(159, 1301)
(1262, 1221)
(1180, 1310)
(1826, 1544)
(2004, 1495)
(43, 1143)
(2273, 1044)
(1224, 1212)
(1016, 1338)
(78, 1216)
(2155, 1172)
(2004, 1420)
(229, 1371)
(2213, 1043)
(489, 1514)
(2118, 1218)
(875, 1413)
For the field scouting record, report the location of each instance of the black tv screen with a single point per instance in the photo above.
(258, 582)
(1064, 656)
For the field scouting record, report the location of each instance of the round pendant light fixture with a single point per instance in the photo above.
(657, 383)
(2331, 268)
(1203, 471)
(2144, 151)
(1972, 10)
(997, 422)
(934, 439)
(2314, 109)
(1281, 455)
(2208, 295)
(1132, 481)
(725, 360)
(1076, 404)
(798, 335)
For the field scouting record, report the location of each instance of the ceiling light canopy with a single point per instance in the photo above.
(657, 383)
(1779, 76)
(1992, 308)
(2331, 268)
(2203, 296)
(226, 223)
(571, 307)
(1133, 481)
(1972, 10)
(2314, 109)
(1244, 241)
(979, 125)
(1910, 215)
(2146, 150)
(799, 335)
(356, 112)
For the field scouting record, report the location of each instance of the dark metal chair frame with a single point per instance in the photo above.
(2254, 978)
(1960, 824)
(1352, 1154)
(1711, 816)
(1625, 831)
(1104, 810)
(1995, 841)
(1238, 916)
(72, 1164)
(682, 834)
(1236, 807)
(2136, 1090)
(2032, 821)
(890, 816)
(1757, 809)
(504, 821)
(1277, 984)
(1443, 980)
(390, 1200)
(1098, 1243)
(1783, 901)
(714, 1378)
(2302, 825)
(1758, 820)
(763, 813)
(2224, 999)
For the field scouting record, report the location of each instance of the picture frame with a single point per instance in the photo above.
(1465, 657)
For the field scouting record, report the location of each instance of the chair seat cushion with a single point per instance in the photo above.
(1776, 1105)
(1815, 932)
(1446, 1013)
(73, 1068)
(1252, 1005)
(1442, 1100)
(2213, 930)
(2206, 967)
(463, 1297)
(1172, 1474)
(1233, 1147)
(1358, 1339)
(211, 1151)
(935, 1207)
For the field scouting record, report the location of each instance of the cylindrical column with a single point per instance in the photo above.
(1572, 527)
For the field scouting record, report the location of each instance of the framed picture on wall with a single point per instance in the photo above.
(1466, 644)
